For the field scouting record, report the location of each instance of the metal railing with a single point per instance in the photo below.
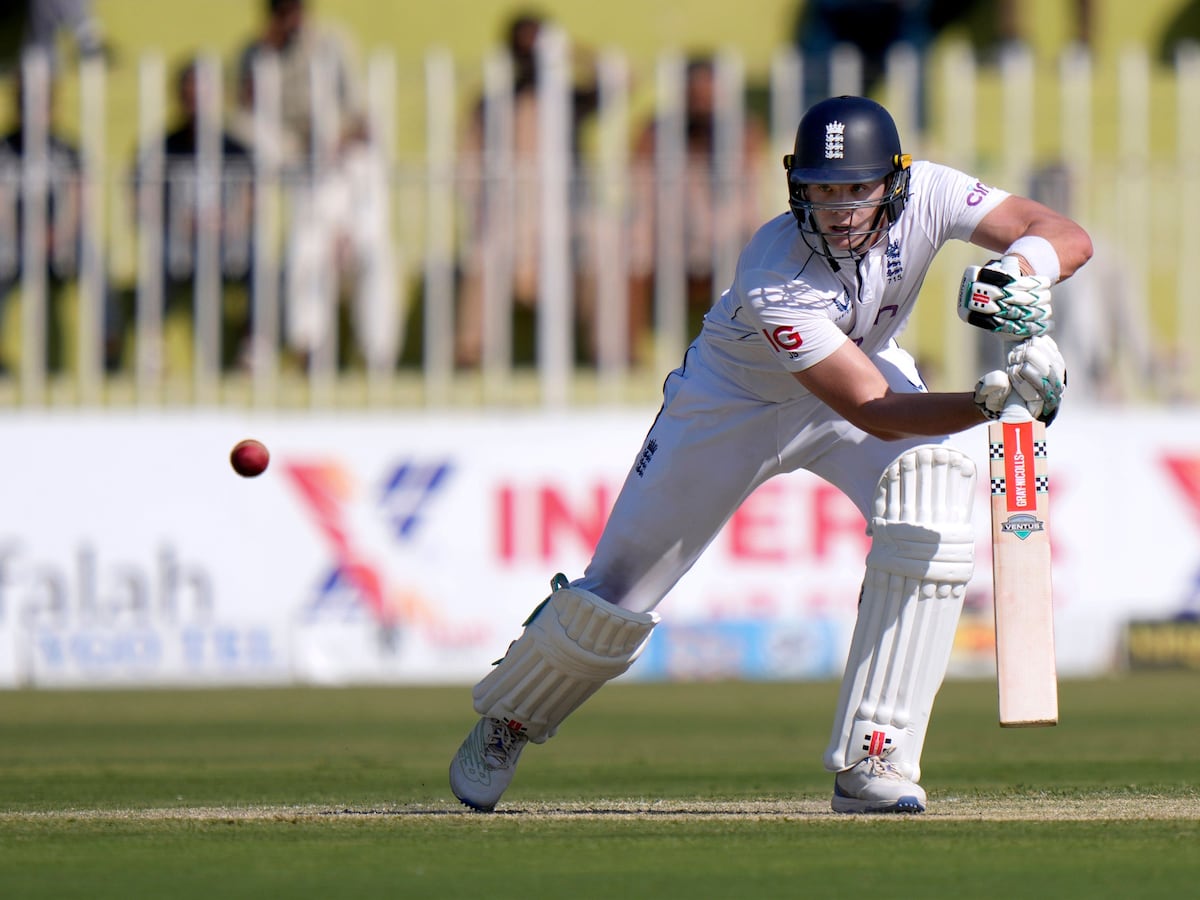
(389, 277)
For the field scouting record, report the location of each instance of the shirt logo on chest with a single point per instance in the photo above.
(893, 266)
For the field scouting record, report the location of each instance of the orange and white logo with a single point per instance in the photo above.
(1018, 463)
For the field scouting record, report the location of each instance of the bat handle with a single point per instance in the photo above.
(1015, 410)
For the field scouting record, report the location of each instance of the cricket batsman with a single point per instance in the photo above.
(797, 367)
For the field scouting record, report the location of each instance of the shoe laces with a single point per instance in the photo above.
(502, 744)
(882, 767)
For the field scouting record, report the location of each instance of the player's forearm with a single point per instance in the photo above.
(896, 416)
(853, 387)
(1019, 217)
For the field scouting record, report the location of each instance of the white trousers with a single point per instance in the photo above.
(710, 446)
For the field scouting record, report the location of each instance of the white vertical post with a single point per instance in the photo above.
(1187, 181)
(958, 113)
(845, 70)
(670, 159)
(958, 138)
(1016, 167)
(207, 300)
(729, 166)
(555, 297)
(494, 216)
(439, 238)
(904, 100)
(787, 100)
(266, 337)
(1133, 188)
(1075, 142)
(383, 354)
(1016, 79)
(148, 366)
(93, 294)
(1075, 79)
(325, 135)
(35, 104)
(611, 192)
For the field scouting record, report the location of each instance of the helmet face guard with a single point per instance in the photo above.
(847, 140)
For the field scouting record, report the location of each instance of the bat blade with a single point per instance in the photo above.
(1026, 674)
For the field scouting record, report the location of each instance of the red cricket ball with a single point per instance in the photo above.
(249, 458)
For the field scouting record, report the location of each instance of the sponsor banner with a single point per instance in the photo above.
(131, 655)
(749, 648)
(409, 547)
(1163, 644)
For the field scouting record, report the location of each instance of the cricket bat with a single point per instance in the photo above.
(1026, 675)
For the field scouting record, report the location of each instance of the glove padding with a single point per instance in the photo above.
(1039, 374)
(991, 393)
(998, 298)
(1036, 371)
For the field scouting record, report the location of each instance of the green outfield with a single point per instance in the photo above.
(652, 790)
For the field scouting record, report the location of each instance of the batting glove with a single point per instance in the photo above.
(1035, 370)
(998, 298)
(1039, 375)
(991, 394)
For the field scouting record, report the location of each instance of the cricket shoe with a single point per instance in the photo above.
(485, 763)
(875, 785)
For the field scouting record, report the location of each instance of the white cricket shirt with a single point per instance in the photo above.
(787, 309)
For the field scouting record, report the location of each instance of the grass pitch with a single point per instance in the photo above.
(710, 790)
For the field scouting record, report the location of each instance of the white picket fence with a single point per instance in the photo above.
(1115, 145)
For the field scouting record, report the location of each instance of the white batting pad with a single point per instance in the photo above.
(569, 649)
(921, 558)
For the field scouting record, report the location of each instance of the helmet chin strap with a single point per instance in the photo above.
(825, 249)
(851, 253)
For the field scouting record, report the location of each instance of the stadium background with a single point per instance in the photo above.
(117, 523)
(641, 31)
(138, 558)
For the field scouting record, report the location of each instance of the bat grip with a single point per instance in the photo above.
(1014, 409)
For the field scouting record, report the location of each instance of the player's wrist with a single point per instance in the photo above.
(1036, 255)
(1025, 266)
(985, 414)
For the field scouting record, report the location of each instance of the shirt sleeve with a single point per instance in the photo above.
(794, 321)
(951, 203)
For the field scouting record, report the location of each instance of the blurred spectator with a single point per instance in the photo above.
(1183, 27)
(341, 259)
(719, 208)
(36, 25)
(299, 45)
(1008, 21)
(516, 226)
(231, 224)
(61, 239)
(339, 236)
(872, 27)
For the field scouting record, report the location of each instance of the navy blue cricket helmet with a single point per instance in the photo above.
(847, 140)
